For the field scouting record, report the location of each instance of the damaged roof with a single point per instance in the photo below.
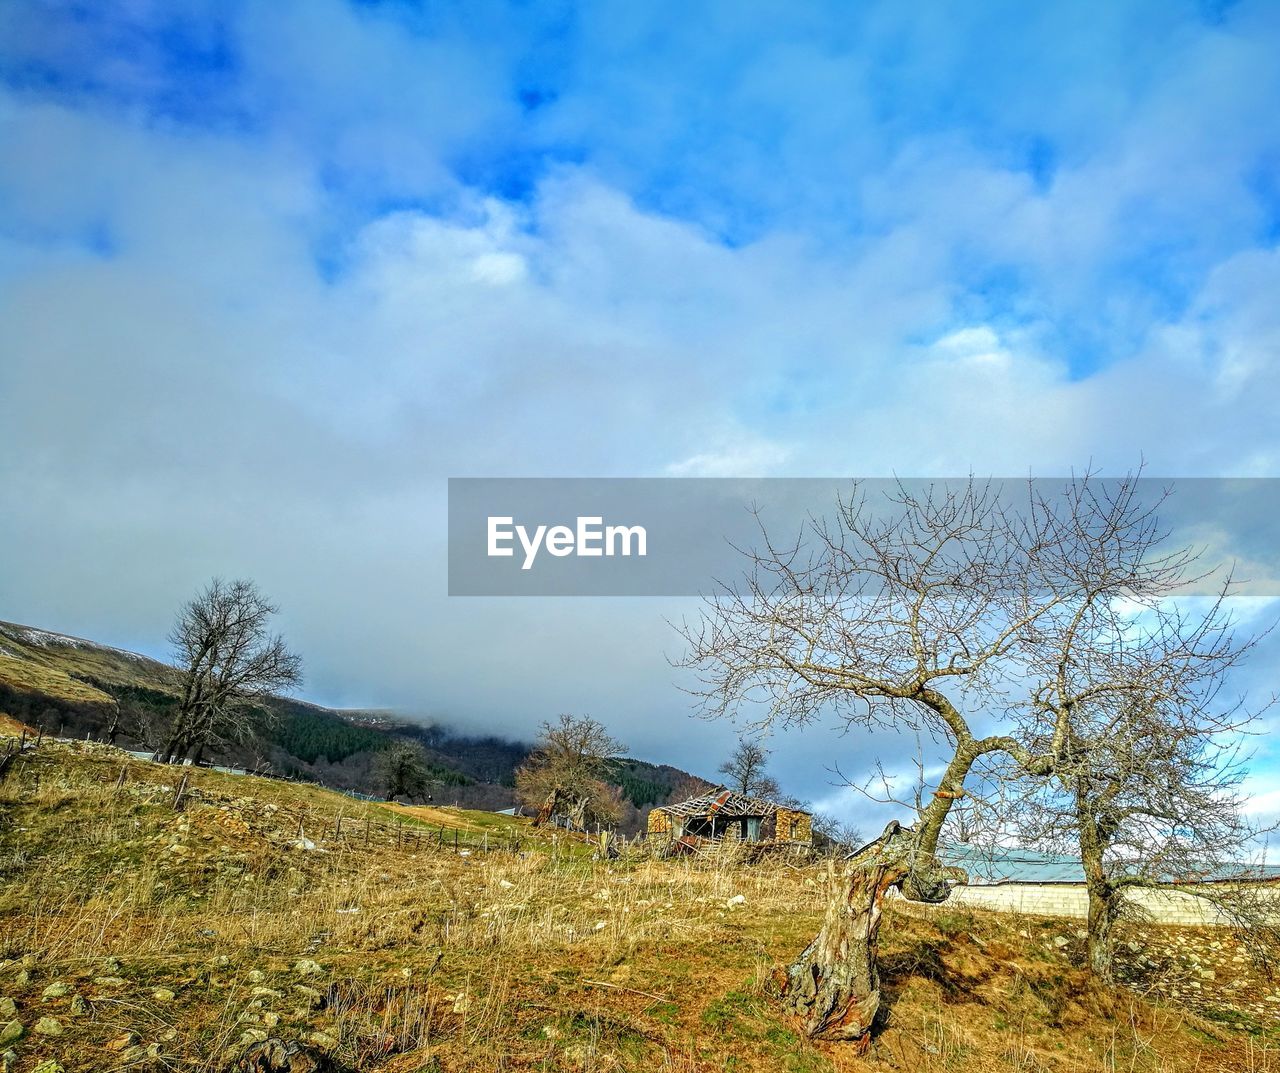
(722, 802)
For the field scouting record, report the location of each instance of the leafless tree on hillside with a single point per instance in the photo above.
(227, 660)
(566, 773)
(931, 612)
(745, 773)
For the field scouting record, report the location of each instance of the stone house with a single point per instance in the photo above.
(722, 815)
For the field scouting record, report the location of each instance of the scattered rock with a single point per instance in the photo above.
(8, 1008)
(11, 1033)
(163, 994)
(256, 976)
(736, 900)
(307, 967)
(121, 1042)
(54, 990)
(48, 1066)
(78, 1006)
(109, 981)
(1060, 941)
(48, 1026)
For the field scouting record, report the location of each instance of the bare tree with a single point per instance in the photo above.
(744, 771)
(227, 659)
(689, 786)
(1148, 792)
(402, 771)
(566, 774)
(834, 836)
(926, 613)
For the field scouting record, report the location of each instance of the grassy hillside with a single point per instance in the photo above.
(149, 938)
(80, 687)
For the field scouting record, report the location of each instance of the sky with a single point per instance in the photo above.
(271, 273)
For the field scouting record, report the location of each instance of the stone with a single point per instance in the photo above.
(78, 1006)
(270, 1019)
(11, 1033)
(1060, 941)
(307, 967)
(54, 990)
(109, 981)
(309, 994)
(8, 1008)
(256, 976)
(23, 978)
(163, 994)
(48, 1026)
(322, 1039)
(251, 1036)
(121, 1042)
(48, 1066)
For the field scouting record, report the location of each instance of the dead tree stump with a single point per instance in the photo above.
(833, 987)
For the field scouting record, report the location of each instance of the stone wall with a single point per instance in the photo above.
(660, 823)
(1164, 906)
(794, 826)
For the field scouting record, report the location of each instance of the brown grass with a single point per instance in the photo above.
(543, 960)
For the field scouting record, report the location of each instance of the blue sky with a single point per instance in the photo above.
(269, 273)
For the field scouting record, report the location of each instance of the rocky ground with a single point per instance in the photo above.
(262, 916)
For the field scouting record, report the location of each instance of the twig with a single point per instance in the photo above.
(629, 990)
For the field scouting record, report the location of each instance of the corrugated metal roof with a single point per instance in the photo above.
(989, 866)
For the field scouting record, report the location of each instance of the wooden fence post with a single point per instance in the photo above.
(182, 789)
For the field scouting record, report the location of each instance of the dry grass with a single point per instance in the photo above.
(29, 677)
(431, 959)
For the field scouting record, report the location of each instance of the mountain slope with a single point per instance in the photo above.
(74, 687)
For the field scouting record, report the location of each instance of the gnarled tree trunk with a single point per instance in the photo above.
(833, 987)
